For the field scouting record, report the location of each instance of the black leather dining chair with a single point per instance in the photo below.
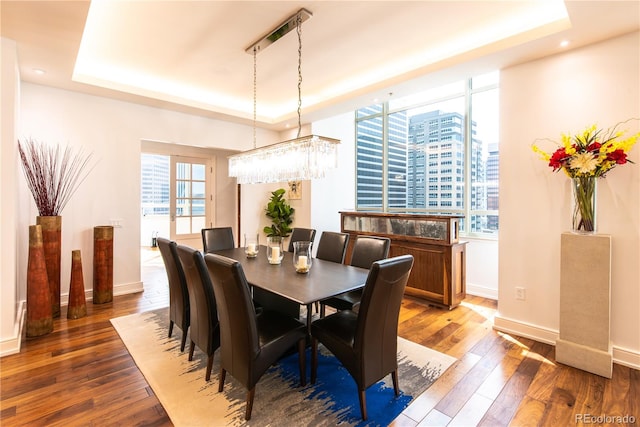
(250, 342)
(301, 235)
(366, 343)
(178, 293)
(217, 239)
(366, 250)
(205, 329)
(332, 246)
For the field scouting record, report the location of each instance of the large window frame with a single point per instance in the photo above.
(476, 215)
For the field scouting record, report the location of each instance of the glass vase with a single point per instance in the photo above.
(251, 245)
(274, 249)
(584, 204)
(302, 256)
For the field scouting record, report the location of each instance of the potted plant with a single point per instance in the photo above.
(281, 214)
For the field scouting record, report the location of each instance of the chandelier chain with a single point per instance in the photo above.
(255, 96)
(299, 31)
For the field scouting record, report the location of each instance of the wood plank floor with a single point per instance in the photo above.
(82, 375)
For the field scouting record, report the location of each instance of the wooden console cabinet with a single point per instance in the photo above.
(438, 273)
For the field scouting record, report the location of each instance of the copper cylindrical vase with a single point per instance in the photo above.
(52, 243)
(102, 264)
(77, 302)
(39, 315)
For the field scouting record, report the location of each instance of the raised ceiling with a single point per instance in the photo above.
(190, 55)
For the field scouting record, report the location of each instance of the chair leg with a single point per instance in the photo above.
(170, 328)
(301, 362)
(394, 378)
(192, 347)
(250, 394)
(207, 376)
(363, 404)
(323, 309)
(314, 359)
(184, 341)
(223, 374)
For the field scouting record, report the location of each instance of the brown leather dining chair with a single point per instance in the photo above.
(205, 330)
(366, 343)
(332, 246)
(300, 235)
(178, 293)
(366, 250)
(250, 342)
(217, 239)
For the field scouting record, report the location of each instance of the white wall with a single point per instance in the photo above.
(541, 99)
(112, 131)
(10, 314)
(337, 191)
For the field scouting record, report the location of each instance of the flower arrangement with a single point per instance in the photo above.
(585, 157)
(52, 175)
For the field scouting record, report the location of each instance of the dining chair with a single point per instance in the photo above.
(178, 293)
(217, 239)
(301, 234)
(366, 343)
(332, 246)
(366, 250)
(250, 342)
(205, 329)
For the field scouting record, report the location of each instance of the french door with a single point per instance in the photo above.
(189, 205)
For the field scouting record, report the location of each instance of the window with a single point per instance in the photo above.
(446, 134)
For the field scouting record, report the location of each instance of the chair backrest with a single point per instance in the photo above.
(368, 249)
(202, 302)
(376, 338)
(239, 342)
(217, 239)
(332, 246)
(301, 234)
(178, 292)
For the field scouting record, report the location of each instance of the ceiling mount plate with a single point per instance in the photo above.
(274, 35)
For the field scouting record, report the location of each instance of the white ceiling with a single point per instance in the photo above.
(190, 55)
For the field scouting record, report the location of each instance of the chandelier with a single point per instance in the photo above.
(302, 158)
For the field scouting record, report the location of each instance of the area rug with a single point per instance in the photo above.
(191, 401)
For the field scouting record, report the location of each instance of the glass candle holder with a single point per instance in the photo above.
(251, 245)
(302, 259)
(275, 253)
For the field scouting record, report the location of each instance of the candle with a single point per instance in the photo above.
(302, 261)
(275, 252)
(252, 248)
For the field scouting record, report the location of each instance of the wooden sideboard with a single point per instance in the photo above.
(438, 273)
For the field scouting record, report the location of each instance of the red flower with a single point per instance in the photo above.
(618, 156)
(594, 146)
(557, 158)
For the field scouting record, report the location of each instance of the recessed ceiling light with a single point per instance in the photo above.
(564, 43)
(39, 71)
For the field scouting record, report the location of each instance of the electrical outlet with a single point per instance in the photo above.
(521, 293)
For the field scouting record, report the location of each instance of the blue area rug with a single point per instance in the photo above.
(191, 401)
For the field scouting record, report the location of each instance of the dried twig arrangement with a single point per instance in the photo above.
(52, 175)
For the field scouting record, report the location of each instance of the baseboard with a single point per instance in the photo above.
(621, 356)
(482, 291)
(12, 345)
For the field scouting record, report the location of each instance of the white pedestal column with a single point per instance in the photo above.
(585, 303)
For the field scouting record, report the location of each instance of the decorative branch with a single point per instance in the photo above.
(52, 175)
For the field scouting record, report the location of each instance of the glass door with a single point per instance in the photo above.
(189, 207)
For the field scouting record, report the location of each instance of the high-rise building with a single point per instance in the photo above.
(370, 155)
(492, 177)
(154, 193)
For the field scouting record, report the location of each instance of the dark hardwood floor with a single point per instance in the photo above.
(82, 375)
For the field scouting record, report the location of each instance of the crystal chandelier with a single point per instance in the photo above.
(303, 158)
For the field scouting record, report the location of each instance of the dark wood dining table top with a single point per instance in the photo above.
(325, 279)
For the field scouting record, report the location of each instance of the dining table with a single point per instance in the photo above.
(324, 279)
